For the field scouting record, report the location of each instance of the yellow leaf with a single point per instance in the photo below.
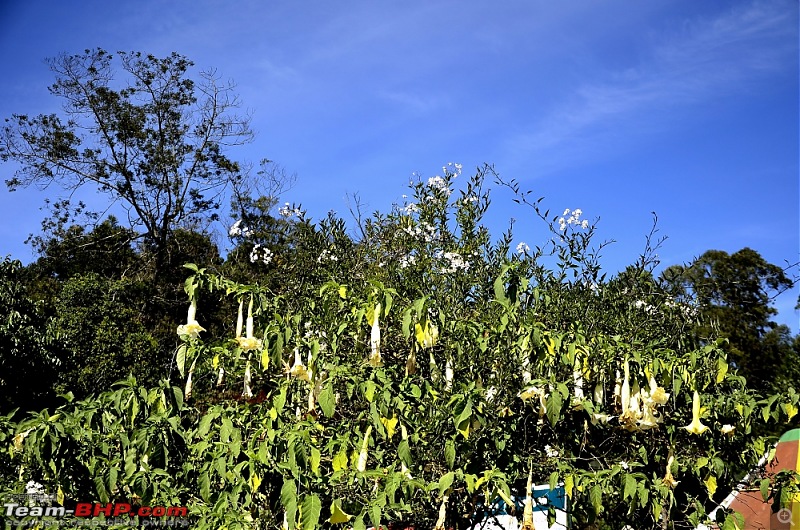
(255, 482)
(464, 427)
(711, 484)
(337, 514)
(427, 335)
(722, 370)
(790, 410)
(60, 496)
(264, 358)
(215, 362)
(390, 425)
(343, 292)
(340, 461)
(569, 483)
(550, 343)
(505, 497)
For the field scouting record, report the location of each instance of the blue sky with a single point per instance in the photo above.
(620, 108)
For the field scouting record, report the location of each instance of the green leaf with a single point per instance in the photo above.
(226, 430)
(316, 456)
(327, 401)
(180, 359)
(553, 407)
(734, 521)
(764, 487)
(404, 452)
(450, 453)
(465, 414)
(205, 424)
(375, 515)
(407, 323)
(221, 465)
(279, 400)
(446, 481)
(112, 479)
(596, 498)
(359, 523)
(500, 287)
(630, 487)
(388, 301)
(676, 386)
(289, 501)
(205, 486)
(553, 480)
(312, 507)
(102, 493)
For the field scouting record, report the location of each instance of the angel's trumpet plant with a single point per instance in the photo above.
(249, 342)
(247, 392)
(298, 369)
(191, 328)
(696, 427)
(442, 513)
(527, 514)
(361, 466)
(375, 338)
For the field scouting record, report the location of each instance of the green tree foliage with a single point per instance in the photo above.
(734, 293)
(100, 335)
(417, 377)
(155, 144)
(27, 366)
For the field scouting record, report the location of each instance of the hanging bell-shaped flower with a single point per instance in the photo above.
(191, 328)
(375, 338)
(249, 342)
(696, 427)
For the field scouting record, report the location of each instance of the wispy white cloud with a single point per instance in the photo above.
(703, 61)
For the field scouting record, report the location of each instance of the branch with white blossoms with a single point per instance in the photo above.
(289, 210)
(261, 254)
(572, 218)
(239, 230)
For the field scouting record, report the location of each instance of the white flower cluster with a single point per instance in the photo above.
(468, 199)
(411, 208)
(523, 248)
(238, 230)
(455, 261)
(452, 167)
(327, 255)
(551, 451)
(687, 310)
(34, 488)
(407, 261)
(287, 211)
(422, 230)
(572, 218)
(260, 253)
(437, 183)
(641, 304)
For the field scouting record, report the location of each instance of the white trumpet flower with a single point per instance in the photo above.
(191, 328)
(375, 339)
(249, 342)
